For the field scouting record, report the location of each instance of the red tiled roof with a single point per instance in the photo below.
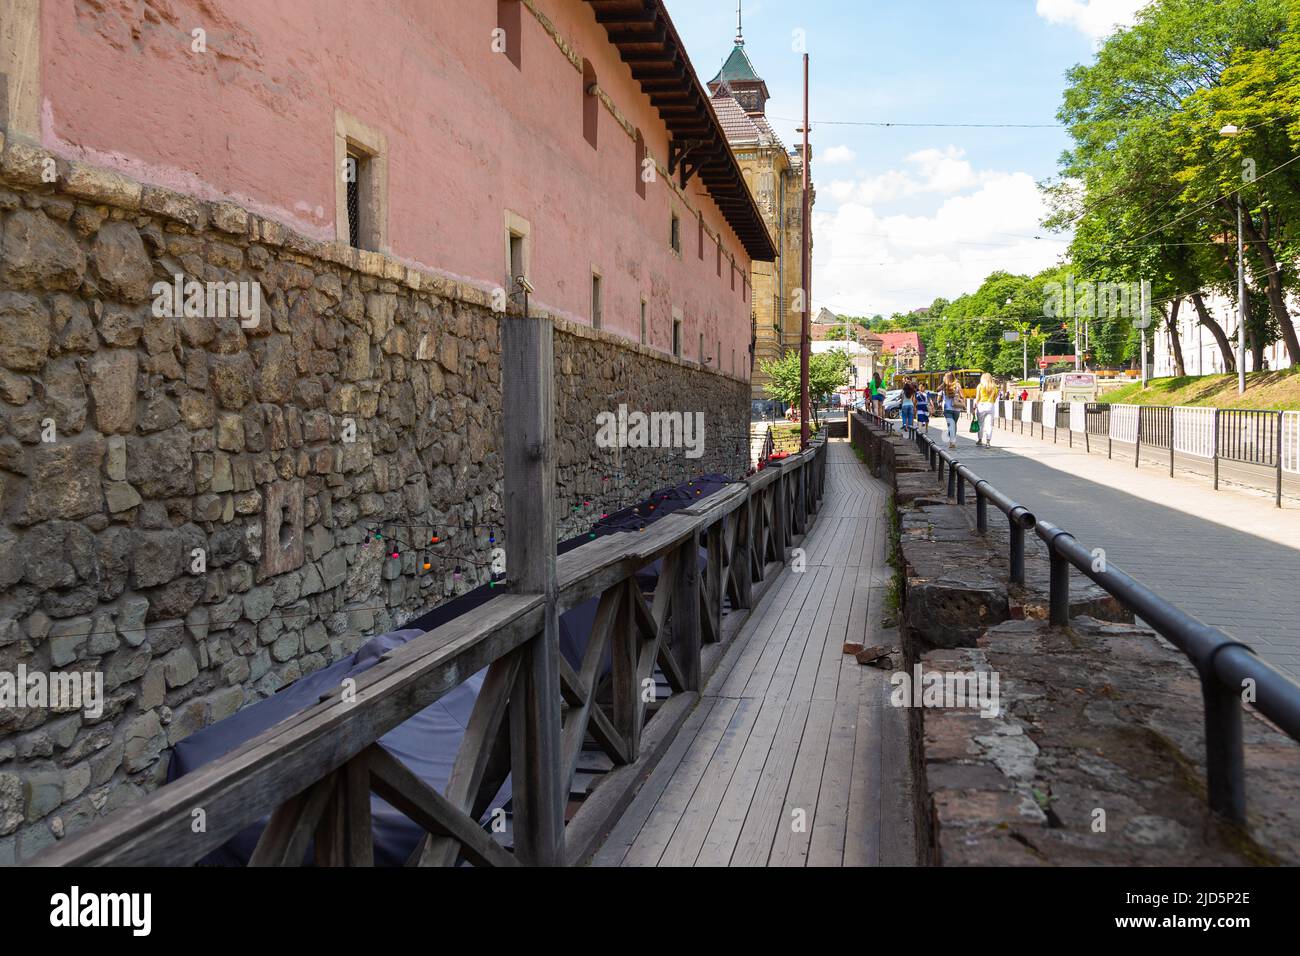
(736, 123)
(897, 340)
(739, 126)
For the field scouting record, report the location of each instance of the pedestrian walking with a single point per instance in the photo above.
(923, 408)
(952, 402)
(986, 396)
(878, 394)
(909, 405)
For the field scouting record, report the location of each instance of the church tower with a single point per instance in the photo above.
(774, 176)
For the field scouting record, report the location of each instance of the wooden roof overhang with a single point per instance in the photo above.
(646, 39)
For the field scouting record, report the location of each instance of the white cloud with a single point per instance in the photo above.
(1095, 18)
(868, 261)
(942, 171)
(838, 154)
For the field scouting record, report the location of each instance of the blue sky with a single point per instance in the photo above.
(906, 214)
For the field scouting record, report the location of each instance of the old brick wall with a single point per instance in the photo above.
(183, 510)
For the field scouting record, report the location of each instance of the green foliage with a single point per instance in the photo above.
(1149, 185)
(827, 371)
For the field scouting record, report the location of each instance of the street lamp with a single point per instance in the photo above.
(1231, 130)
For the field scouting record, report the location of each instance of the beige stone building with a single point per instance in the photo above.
(774, 175)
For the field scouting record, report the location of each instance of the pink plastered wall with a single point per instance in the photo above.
(468, 135)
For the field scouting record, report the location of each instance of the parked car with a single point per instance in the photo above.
(893, 402)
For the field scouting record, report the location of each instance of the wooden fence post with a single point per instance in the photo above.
(687, 638)
(528, 421)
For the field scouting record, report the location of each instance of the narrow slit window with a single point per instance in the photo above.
(590, 104)
(719, 257)
(643, 323)
(357, 168)
(676, 237)
(516, 266)
(700, 217)
(641, 164)
(595, 300)
(509, 23)
(677, 338)
(703, 360)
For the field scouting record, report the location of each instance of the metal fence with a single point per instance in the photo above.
(1224, 665)
(1255, 437)
(1098, 419)
(1291, 441)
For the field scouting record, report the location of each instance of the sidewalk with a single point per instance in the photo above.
(1229, 556)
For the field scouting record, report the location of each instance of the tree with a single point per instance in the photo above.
(827, 371)
(1147, 184)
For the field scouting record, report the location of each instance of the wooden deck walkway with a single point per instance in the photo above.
(794, 755)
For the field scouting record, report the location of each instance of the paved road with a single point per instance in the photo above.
(1229, 557)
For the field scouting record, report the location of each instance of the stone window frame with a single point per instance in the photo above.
(597, 297)
(645, 330)
(20, 68)
(352, 135)
(517, 227)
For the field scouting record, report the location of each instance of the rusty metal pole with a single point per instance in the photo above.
(805, 407)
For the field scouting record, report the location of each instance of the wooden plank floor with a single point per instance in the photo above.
(794, 756)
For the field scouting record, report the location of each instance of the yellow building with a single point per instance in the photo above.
(775, 178)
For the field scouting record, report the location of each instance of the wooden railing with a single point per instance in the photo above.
(314, 773)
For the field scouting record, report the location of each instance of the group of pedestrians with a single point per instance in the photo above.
(948, 398)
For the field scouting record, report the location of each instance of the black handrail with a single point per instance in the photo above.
(1019, 518)
(1229, 670)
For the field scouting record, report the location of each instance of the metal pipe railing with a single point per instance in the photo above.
(1019, 518)
(1228, 669)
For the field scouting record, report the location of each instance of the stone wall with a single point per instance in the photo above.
(189, 504)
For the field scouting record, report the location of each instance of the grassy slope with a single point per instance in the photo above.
(1270, 390)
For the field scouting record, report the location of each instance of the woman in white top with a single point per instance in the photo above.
(986, 397)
